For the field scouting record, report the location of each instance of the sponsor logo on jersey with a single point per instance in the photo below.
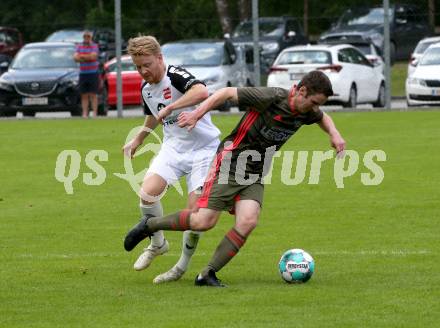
(171, 120)
(167, 93)
(160, 106)
(276, 133)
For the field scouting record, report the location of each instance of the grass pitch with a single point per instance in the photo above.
(376, 247)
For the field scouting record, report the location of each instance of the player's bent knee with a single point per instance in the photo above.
(247, 223)
(202, 223)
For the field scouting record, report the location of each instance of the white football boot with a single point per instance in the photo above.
(149, 254)
(172, 275)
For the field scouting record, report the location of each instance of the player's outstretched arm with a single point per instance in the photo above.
(336, 139)
(189, 119)
(196, 94)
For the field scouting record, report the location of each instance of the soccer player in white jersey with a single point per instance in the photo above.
(167, 91)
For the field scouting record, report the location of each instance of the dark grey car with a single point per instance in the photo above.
(276, 33)
(43, 77)
(407, 26)
(104, 37)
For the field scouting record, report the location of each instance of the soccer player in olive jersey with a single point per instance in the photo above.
(242, 159)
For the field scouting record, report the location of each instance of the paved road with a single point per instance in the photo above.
(137, 111)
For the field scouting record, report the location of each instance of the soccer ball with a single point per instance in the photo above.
(296, 266)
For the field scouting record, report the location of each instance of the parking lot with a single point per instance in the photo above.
(137, 111)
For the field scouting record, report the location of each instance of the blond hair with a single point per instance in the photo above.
(143, 45)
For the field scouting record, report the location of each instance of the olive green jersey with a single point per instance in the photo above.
(267, 124)
(265, 127)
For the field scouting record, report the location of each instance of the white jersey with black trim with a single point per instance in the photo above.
(174, 84)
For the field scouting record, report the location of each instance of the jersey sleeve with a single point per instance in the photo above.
(314, 117)
(258, 98)
(181, 79)
(147, 110)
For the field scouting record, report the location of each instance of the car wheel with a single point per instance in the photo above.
(380, 102)
(103, 105)
(352, 98)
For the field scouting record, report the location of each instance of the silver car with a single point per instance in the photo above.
(218, 63)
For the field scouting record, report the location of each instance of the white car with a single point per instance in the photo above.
(423, 86)
(354, 79)
(372, 53)
(418, 52)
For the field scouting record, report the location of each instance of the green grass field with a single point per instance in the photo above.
(376, 247)
(399, 72)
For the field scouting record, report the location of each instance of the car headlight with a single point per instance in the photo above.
(270, 47)
(377, 39)
(417, 81)
(69, 81)
(212, 79)
(6, 85)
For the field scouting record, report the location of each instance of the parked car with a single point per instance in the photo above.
(354, 79)
(131, 82)
(104, 37)
(43, 77)
(407, 26)
(216, 62)
(367, 47)
(11, 41)
(418, 52)
(423, 86)
(275, 34)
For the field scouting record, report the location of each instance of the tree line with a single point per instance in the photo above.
(172, 19)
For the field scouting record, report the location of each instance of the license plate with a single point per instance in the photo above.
(35, 101)
(435, 92)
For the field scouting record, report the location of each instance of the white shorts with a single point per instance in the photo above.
(172, 165)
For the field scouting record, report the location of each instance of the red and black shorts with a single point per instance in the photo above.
(221, 193)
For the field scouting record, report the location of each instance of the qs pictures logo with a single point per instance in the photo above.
(69, 162)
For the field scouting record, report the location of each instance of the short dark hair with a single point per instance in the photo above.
(316, 82)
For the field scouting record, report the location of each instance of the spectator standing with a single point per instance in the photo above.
(87, 54)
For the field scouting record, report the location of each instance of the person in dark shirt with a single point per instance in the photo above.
(243, 158)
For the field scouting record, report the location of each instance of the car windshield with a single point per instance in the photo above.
(367, 16)
(193, 54)
(51, 57)
(431, 57)
(422, 46)
(126, 66)
(66, 36)
(266, 28)
(305, 57)
(364, 48)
